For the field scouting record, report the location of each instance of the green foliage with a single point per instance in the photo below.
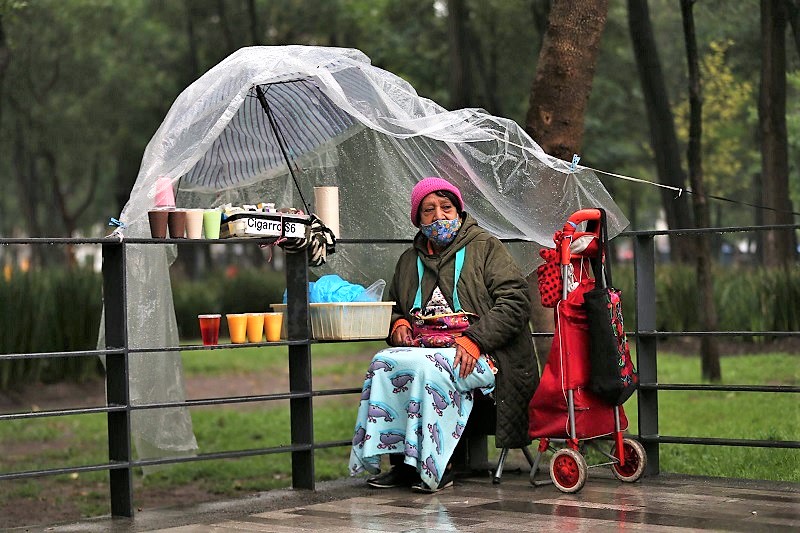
(89, 81)
(730, 155)
(747, 299)
(245, 291)
(59, 310)
(49, 311)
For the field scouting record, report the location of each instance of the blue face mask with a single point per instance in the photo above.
(441, 232)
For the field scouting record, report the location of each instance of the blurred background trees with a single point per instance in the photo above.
(85, 83)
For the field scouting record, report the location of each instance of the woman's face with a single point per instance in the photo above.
(434, 207)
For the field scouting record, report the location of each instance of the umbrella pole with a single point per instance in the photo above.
(262, 99)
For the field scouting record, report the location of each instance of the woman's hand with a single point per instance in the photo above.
(464, 361)
(401, 336)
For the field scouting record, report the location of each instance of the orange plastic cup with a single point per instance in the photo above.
(272, 326)
(255, 326)
(237, 327)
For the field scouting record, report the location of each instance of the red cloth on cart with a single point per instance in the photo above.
(568, 368)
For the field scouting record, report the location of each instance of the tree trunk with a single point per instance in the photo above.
(540, 10)
(793, 10)
(5, 54)
(559, 95)
(486, 70)
(663, 140)
(564, 75)
(194, 63)
(223, 23)
(253, 15)
(460, 81)
(779, 246)
(709, 351)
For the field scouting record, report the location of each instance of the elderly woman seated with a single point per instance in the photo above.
(459, 328)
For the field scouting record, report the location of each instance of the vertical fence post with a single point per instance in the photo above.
(298, 327)
(645, 287)
(117, 394)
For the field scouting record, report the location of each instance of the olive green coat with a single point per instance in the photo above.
(491, 286)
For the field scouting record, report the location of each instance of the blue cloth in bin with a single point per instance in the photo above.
(310, 286)
(332, 288)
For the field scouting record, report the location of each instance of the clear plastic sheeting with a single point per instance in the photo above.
(340, 122)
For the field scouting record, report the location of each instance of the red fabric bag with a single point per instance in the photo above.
(548, 276)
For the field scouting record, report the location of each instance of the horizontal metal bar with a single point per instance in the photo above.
(716, 333)
(725, 229)
(721, 388)
(223, 400)
(749, 443)
(332, 444)
(60, 471)
(111, 239)
(336, 392)
(62, 412)
(134, 240)
(149, 462)
(223, 455)
(52, 355)
(196, 347)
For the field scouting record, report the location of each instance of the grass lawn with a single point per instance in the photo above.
(81, 439)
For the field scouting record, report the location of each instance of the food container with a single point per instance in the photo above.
(346, 320)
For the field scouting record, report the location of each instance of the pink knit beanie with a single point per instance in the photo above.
(427, 186)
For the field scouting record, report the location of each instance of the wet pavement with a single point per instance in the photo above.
(661, 503)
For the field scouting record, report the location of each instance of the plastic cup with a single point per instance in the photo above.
(177, 224)
(255, 327)
(272, 326)
(237, 327)
(194, 223)
(165, 195)
(211, 221)
(209, 329)
(158, 223)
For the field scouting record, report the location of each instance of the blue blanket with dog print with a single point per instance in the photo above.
(414, 403)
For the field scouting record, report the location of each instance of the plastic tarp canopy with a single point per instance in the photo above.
(341, 122)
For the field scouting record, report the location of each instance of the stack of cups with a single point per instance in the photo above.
(164, 216)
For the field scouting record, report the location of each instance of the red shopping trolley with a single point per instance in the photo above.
(563, 408)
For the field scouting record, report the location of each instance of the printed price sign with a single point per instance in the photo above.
(293, 228)
(262, 227)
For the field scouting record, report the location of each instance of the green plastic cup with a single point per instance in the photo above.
(211, 221)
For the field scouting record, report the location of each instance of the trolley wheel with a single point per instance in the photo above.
(568, 470)
(635, 461)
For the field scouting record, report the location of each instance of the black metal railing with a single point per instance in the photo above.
(118, 406)
(647, 335)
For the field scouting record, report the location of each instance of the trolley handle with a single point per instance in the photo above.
(571, 226)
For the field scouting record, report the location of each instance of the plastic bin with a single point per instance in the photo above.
(345, 320)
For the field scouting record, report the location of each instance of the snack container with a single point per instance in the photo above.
(345, 320)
